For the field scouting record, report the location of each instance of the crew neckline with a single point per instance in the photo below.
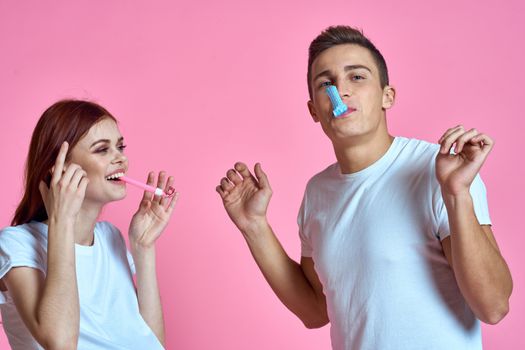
(381, 162)
(79, 248)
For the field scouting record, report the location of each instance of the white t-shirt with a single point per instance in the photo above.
(374, 237)
(109, 312)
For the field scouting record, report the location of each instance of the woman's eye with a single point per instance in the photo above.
(122, 148)
(101, 150)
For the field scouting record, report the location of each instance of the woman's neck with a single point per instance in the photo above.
(85, 222)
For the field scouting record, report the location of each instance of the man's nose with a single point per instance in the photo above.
(344, 89)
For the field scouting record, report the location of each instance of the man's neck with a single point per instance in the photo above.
(357, 156)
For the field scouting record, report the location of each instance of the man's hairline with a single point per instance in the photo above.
(310, 69)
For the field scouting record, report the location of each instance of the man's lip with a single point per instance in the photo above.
(348, 112)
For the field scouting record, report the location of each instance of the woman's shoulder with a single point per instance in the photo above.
(23, 245)
(106, 226)
(31, 231)
(105, 230)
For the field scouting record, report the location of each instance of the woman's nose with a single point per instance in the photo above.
(119, 157)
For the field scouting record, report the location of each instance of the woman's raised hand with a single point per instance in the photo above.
(65, 194)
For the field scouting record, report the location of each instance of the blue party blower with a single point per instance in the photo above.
(339, 107)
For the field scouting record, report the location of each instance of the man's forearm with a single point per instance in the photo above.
(481, 272)
(285, 276)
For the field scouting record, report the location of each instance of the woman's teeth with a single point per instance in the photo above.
(115, 176)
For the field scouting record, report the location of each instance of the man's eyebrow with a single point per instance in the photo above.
(105, 141)
(346, 69)
(357, 66)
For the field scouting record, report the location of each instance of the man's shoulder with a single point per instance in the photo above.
(324, 175)
(411, 146)
(406, 151)
(415, 152)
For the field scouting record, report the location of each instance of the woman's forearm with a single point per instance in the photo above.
(58, 312)
(148, 294)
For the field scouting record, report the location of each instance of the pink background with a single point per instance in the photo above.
(199, 85)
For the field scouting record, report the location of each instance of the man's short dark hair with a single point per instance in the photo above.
(339, 35)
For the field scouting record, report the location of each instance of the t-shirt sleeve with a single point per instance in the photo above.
(19, 248)
(481, 208)
(131, 262)
(306, 247)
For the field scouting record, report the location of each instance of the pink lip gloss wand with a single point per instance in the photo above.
(157, 191)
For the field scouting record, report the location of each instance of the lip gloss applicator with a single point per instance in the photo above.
(157, 191)
(339, 107)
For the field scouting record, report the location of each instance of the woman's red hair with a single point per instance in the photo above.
(66, 120)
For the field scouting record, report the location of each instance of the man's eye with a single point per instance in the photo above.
(358, 77)
(325, 84)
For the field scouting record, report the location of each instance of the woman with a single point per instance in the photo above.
(66, 279)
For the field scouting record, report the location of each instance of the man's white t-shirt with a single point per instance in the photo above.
(374, 237)
(109, 312)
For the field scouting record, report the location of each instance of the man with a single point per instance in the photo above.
(397, 247)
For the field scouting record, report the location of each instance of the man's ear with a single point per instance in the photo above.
(313, 111)
(389, 96)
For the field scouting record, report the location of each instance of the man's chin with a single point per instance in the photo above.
(346, 137)
(345, 132)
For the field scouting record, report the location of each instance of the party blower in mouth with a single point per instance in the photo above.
(156, 190)
(339, 108)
